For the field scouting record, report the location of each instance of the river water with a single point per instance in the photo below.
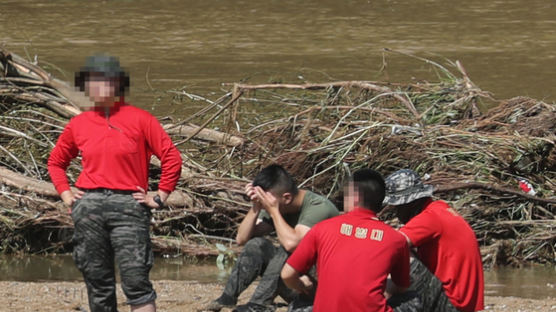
(508, 47)
(535, 282)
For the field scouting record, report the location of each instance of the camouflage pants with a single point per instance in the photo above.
(428, 289)
(111, 225)
(259, 258)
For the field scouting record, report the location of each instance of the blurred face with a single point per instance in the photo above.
(101, 90)
(351, 197)
(407, 211)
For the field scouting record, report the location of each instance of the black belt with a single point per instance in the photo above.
(108, 191)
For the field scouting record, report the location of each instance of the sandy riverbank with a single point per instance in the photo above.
(176, 296)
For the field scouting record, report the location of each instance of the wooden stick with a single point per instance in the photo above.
(31, 70)
(345, 84)
(234, 98)
(210, 135)
(478, 185)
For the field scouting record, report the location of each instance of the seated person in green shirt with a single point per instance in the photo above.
(280, 206)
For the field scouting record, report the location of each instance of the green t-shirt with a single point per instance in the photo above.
(314, 209)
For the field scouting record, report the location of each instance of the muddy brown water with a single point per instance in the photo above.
(535, 282)
(508, 47)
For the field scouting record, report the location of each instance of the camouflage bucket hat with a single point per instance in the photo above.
(106, 66)
(405, 186)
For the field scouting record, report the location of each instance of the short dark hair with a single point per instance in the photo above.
(275, 177)
(371, 188)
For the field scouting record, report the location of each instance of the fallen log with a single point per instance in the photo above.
(19, 181)
(27, 184)
(203, 134)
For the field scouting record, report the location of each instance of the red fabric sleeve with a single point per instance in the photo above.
(305, 254)
(400, 270)
(422, 228)
(60, 158)
(170, 158)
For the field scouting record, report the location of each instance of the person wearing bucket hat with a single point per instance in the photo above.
(355, 252)
(446, 246)
(103, 67)
(111, 208)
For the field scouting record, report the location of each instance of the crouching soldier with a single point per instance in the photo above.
(355, 252)
(277, 205)
(448, 273)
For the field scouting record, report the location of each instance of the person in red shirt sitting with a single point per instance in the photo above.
(111, 208)
(354, 253)
(445, 244)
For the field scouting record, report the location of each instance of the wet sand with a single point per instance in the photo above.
(177, 296)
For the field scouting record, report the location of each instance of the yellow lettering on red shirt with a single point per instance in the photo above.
(361, 233)
(346, 229)
(377, 235)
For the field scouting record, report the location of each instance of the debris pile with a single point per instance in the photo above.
(498, 168)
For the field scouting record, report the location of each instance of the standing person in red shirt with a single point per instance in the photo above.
(111, 209)
(446, 245)
(354, 253)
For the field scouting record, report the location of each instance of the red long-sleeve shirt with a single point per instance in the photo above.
(115, 150)
(448, 248)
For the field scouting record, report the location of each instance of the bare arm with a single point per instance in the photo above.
(251, 226)
(295, 281)
(289, 237)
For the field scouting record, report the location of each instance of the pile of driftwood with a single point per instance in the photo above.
(320, 132)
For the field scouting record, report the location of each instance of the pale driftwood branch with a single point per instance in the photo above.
(178, 199)
(232, 101)
(36, 75)
(528, 222)
(203, 134)
(186, 173)
(17, 180)
(33, 71)
(499, 189)
(61, 109)
(27, 184)
(64, 110)
(366, 85)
